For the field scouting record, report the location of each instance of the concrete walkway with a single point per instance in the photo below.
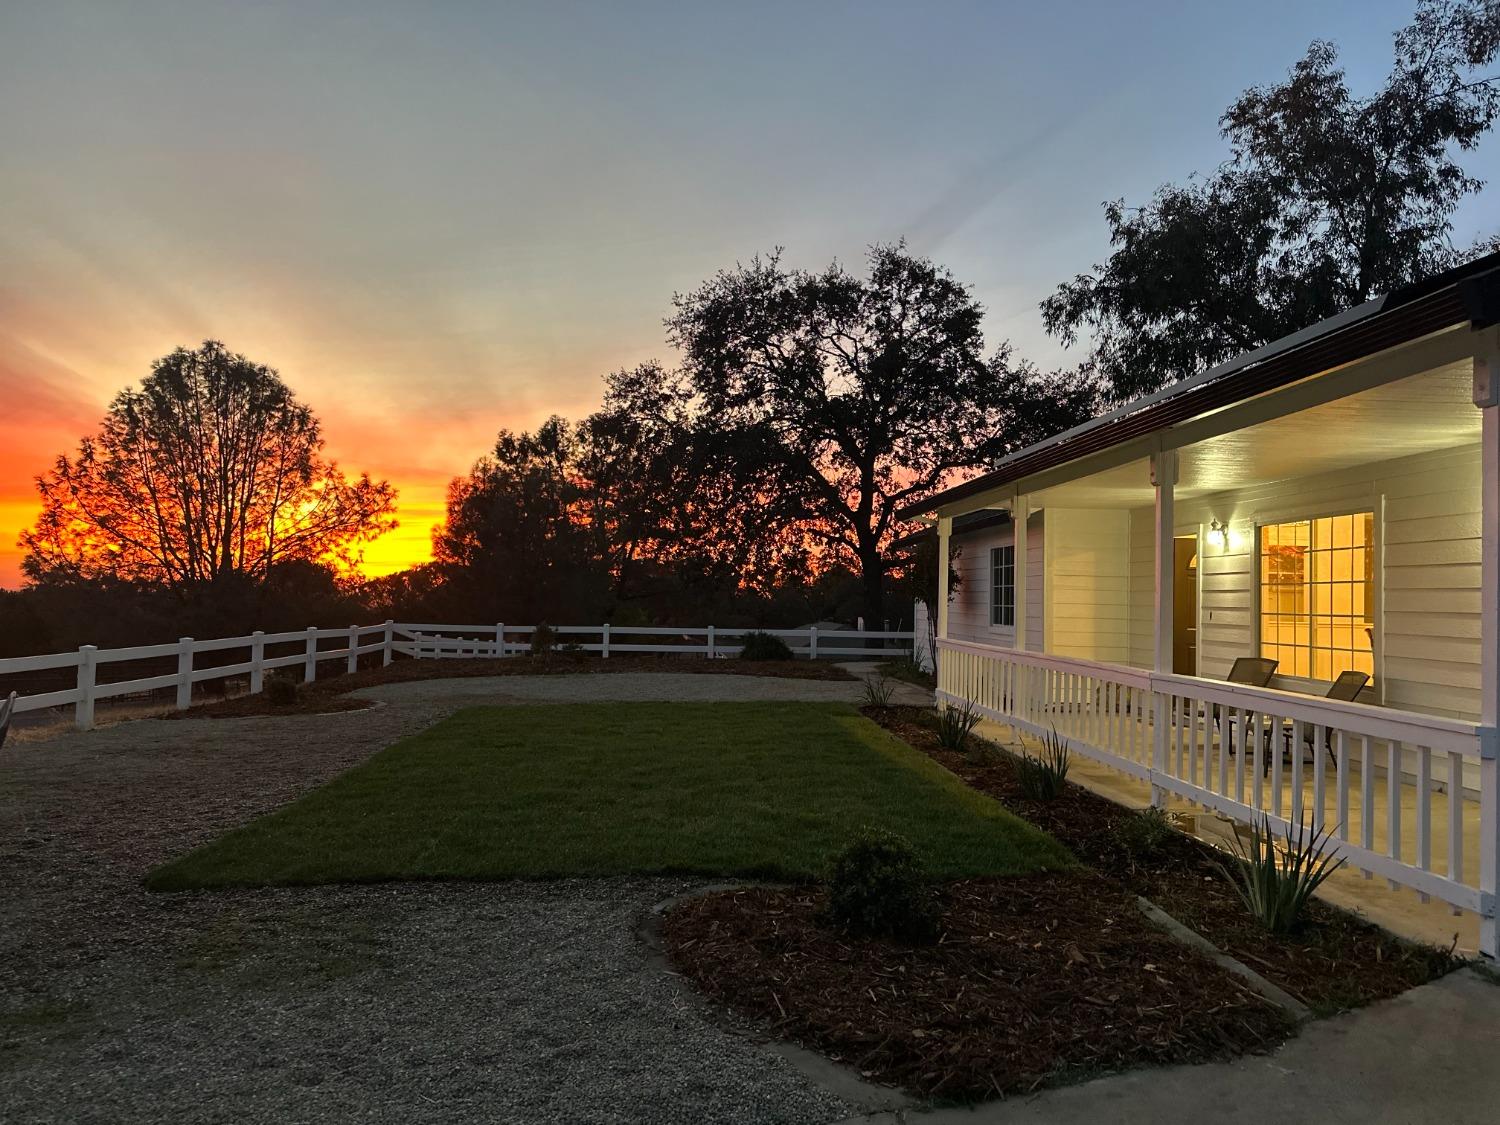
(1429, 1055)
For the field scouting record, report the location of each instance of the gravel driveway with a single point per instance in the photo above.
(514, 1002)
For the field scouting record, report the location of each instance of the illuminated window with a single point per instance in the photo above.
(1317, 585)
(1003, 586)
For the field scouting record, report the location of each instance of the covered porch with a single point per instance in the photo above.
(1347, 522)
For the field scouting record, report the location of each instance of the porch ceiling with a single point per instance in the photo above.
(1419, 414)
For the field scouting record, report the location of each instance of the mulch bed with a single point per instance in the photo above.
(1035, 980)
(242, 706)
(329, 694)
(1336, 961)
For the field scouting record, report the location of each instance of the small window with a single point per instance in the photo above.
(1003, 586)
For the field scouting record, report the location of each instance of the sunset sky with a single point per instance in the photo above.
(437, 220)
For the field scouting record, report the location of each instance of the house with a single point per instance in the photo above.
(1331, 502)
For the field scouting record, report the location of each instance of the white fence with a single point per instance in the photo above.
(1408, 797)
(312, 646)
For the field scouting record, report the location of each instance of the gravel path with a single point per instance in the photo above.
(508, 1002)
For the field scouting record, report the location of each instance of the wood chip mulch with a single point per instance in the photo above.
(1335, 962)
(1036, 980)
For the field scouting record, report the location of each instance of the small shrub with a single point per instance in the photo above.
(954, 725)
(1275, 884)
(878, 888)
(763, 646)
(1042, 778)
(1142, 835)
(879, 691)
(543, 640)
(282, 690)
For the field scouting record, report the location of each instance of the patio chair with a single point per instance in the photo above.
(7, 709)
(1252, 671)
(1346, 689)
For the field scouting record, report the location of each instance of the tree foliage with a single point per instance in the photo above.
(210, 471)
(848, 397)
(1327, 199)
(514, 545)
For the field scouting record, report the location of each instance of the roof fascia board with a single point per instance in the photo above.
(1402, 361)
(1005, 495)
(1390, 366)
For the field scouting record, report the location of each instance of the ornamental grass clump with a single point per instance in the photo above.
(1276, 882)
(954, 725)
(1143, 835)
(879, 691)
(1042, 778)
(878, 887)
(763, 646)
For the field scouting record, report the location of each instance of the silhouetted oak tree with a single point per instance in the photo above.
(210, 471)
(839, 398)
(1327, 200)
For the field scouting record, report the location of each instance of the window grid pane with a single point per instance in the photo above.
(1317, 606)
(1003, 586)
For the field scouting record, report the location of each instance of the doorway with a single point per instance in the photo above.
(1185, 605)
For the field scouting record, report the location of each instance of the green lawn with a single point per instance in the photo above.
(741, 789)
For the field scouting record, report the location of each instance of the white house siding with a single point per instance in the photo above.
(1142, 619)
(969, 611)
(1088, 582)
(1428, 552)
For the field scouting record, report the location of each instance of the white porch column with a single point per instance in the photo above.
(1020, 516)
(1164, 478)
(1487, 398)
(944, 533)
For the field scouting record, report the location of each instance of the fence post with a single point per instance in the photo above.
(257, 661)
(83, 710)
(353, 664)
(310, 665)
(712, 648)
(812, 642)
(499, 639)
(184, 673)
(387, 652)
(604, 643)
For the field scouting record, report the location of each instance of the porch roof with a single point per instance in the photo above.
(1466, 294)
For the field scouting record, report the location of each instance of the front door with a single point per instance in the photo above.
(1185, 606)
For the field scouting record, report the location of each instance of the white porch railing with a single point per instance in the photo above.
(308, 648)
(1400, 792)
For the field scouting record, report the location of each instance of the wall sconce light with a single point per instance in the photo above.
(1221, 531)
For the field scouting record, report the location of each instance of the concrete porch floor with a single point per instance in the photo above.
(1399, 910)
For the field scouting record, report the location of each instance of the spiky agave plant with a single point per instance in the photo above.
(955, 724)
(879, 691)
(1041, 778)
(1276, 882)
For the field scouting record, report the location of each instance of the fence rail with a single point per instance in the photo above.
(1406, 797)
(308, 648)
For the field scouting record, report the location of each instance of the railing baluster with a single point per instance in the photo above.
(1393, 803)
(1455, 817)
(1424, 812)
(1319, 780)
(1276, 756)
(1341, 764)
(1296, 766)
(1366, 799)
(1258, 762)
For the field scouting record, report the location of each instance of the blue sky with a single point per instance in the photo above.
(437, 219)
